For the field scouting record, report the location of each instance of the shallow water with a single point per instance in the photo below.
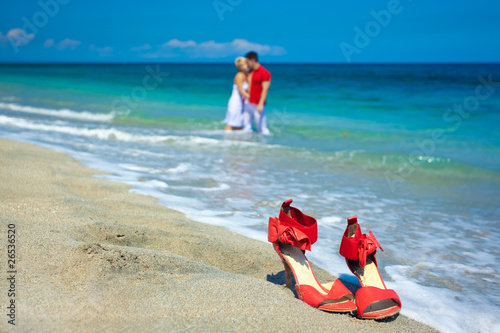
(376, 141)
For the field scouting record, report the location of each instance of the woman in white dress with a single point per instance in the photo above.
(234, 115)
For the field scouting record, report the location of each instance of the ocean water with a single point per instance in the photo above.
(412, 150)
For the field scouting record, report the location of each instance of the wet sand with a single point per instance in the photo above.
(92, 256)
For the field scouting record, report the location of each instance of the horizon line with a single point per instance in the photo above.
(232, 63)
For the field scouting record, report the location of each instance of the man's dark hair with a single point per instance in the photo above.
(252, 56)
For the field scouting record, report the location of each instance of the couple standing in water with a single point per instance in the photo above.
(248, 100)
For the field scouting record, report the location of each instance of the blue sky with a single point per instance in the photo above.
(217, 31)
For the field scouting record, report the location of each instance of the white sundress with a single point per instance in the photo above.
(234, 114)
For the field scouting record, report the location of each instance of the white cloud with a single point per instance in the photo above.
(48, 43)
(102, 51)
(243, 45)
(212, 49)
(144, 47)
(68, 44)
(62, 45)
(179, 43)
(17, 37)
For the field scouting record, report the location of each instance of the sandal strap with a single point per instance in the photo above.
(313, 297)
(338, 291)
(359, 246)
(369, 295)
(293, 227)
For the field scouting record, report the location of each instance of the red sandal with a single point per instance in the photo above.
(373, 299)
(291, 234)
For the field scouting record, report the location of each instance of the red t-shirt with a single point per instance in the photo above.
(258, 75)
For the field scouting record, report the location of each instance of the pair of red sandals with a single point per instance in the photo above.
(294, 232)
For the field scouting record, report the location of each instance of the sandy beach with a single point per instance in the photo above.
(92, 256)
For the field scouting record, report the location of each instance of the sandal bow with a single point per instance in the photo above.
(288, 235)
(367, 245)
(359, 246)
(293, 227)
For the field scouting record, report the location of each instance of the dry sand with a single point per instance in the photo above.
(93, 257)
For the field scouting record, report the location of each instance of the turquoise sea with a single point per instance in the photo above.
(412, 149)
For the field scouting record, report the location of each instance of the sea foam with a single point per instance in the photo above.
(115, 134)
(61, 113)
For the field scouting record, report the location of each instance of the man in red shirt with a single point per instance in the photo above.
(259, 81)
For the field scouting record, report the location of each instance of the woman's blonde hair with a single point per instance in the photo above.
(239, 61)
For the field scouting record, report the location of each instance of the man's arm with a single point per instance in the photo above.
(263, 96)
